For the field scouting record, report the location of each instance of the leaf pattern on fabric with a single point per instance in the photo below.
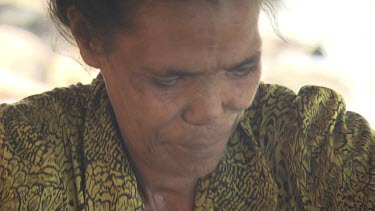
(61, 150)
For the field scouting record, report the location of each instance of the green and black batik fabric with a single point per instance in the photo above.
(61, 150)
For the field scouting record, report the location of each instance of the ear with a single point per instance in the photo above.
(89, 46)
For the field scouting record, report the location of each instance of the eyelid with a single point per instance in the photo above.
(244, 70)
(166, 81)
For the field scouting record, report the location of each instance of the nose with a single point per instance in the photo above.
(204, 106)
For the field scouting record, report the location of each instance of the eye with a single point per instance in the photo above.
(243, 71)
(167, 81)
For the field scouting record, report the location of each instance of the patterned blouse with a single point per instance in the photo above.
(61, 150)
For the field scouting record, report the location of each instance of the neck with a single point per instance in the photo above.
(161, 191)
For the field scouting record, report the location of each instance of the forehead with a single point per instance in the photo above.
(200, 33)
(197, 15)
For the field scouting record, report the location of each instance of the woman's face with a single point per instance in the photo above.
(179, 83)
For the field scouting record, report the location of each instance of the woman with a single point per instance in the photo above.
(177, 120)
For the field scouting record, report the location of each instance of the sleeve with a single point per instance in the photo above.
(321, 156)
(334, 153)
(37, 137)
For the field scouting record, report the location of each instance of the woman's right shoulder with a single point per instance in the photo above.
(38, 138)
(45, 113)
(52, 104)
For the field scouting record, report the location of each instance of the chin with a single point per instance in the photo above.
(200, 167)
(192, 160)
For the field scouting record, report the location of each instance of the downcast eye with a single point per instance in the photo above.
(243, 71)
(167, 81)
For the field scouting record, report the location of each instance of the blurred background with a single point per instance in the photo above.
(329, 43)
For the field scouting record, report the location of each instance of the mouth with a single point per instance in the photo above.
(202, 146)
(202, 151)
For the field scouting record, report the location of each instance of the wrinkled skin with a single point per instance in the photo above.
(178, 85)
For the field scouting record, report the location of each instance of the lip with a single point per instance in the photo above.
(201, 150)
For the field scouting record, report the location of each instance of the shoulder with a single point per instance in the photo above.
(313, 114)
(319, 153)
(46, 107)
(40, 120)
(311, 103)
(39, 138)
(306, 100)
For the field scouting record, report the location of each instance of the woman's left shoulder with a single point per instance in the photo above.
(320, 153)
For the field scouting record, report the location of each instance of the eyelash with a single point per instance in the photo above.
(167, 82)
(243, 71)
(172, 81)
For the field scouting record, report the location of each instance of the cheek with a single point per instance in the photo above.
(140, 102)
(243, 92)
(140, 117)
(144, 112)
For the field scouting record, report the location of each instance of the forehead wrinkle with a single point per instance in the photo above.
(207, 32)
(169, 9)
(204, 28)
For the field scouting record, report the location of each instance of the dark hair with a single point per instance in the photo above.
(108, 16)
(105, 16)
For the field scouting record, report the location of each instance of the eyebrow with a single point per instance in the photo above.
(186, 73)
